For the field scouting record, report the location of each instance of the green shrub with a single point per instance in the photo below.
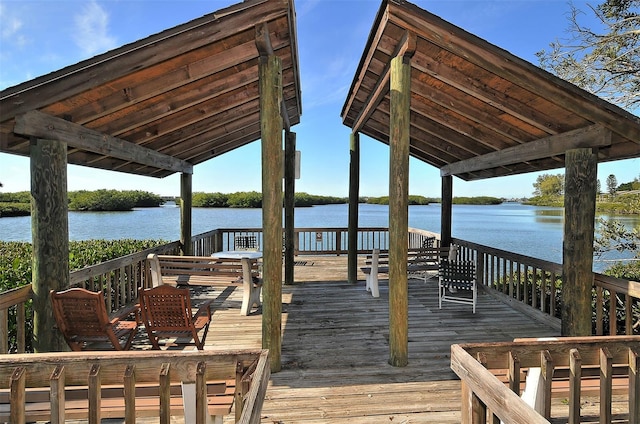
(144, 199)
(17, 197)
(209, 200)
(478, 200)
(15, 269)
(112, 200)
(14, 209)
(251, 199)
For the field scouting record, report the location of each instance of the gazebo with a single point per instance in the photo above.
(433, 91)
(160, 106)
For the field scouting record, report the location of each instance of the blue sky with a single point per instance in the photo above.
(37, 37)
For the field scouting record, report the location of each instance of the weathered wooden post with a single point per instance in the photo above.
(446, 210)
(186, 204)
(270, 74)
(289, 205)
(50, 235)
(354, 187)
(400, 81)
(581, 168)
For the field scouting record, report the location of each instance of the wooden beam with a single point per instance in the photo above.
(406, 48)
(289, 205)
(446, 210)
(50, 237)
(186, 208)
(399, 140)
(270, 71)
(581, 175)
(374, 39)
(263, 40)
(265, 48)
(555, 145)
(354, 194)
(42, 125)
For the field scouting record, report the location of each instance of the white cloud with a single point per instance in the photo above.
(11, 27)
(91, 32)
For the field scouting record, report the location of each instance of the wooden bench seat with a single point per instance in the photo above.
(419, 262)
(207, 271)
(220, 397)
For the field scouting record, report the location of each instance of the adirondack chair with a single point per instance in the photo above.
(167, 314)
(81, 316)
(457, 283)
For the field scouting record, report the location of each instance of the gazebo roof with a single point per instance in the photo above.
(165, 103)
(478, 111)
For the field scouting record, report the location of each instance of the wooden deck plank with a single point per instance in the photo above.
(335, 348)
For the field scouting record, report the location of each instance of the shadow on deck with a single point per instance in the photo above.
(335, 348)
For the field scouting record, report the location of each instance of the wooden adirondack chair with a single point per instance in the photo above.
(81, 316)
(166, 313)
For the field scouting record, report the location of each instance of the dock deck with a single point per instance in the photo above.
(335, 348)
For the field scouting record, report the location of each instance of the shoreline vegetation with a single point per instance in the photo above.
(18, 203)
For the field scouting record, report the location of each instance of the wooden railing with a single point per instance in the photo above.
(90, 385)
(529, 284)
(570, 369)
(307, 241)
(119, 279)
(523, 280)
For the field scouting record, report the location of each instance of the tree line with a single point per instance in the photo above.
(19, 203)
(618, 198)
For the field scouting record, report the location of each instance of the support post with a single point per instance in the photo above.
(289, 204)
(581, 167)
(398, 210)
(354, 196)
(186, 197)
(50, 235)
(270, 81)
(446, 210)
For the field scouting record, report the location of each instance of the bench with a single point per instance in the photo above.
(419, 262)
(208, 271)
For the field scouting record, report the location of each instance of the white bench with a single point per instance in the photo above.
(208, 271)
(419, 262)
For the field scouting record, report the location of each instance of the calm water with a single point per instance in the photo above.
(528, 230)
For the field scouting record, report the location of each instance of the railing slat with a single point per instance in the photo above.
(613, 316)
(4, 331)
(57, 395)
(514, 373)
(201, 394)
(95, 394)
(606, 381)
(547, 365)
(575, 382)
(165, 394)
(634, 386)
(18, 387)
(130, 394)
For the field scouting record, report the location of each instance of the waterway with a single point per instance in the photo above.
(528, 230)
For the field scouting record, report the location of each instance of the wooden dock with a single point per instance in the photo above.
(335, 348)
(335, 351)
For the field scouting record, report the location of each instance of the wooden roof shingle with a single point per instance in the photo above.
(478, 111)
(189, 93)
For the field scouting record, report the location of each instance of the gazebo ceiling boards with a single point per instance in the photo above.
(165, 103)
(477, 111)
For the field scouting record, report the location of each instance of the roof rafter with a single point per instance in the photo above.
(265, 48)
(41, 125)
(406, 48)
(592, 136)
